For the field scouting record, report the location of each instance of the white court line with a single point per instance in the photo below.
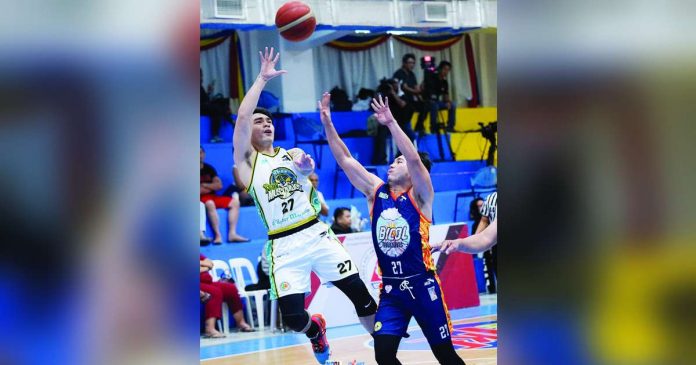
(335, 339)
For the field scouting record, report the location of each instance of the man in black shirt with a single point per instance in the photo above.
(341, 223)
(216, 109)
(402, 113)
(412, 91)
(436, 90)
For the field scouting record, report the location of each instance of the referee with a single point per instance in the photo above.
(489, 211)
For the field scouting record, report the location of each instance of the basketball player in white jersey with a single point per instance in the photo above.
(298, 243)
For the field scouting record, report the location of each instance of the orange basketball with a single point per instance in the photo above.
(295, 21)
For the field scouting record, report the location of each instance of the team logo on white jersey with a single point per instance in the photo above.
(282, 184)
(392, 232)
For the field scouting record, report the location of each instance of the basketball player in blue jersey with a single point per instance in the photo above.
(288, 205)
(401, 213)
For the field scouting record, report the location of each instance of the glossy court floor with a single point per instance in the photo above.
(475, 338)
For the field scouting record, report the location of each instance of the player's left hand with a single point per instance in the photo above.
(381, 107)
(304, 162)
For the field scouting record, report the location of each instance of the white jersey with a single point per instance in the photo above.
(284, 198)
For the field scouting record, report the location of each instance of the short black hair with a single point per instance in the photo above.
(407, 56)
(424, 157)
(263, 111)
(443, 64)
(339, 211)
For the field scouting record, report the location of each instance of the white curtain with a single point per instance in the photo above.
(460, 87)
(350, 70)
(215, 63)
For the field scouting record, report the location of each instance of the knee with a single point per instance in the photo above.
(297, 321)
(231, 290)
(210, 205)
(215, 293)
(234, 203)
(356, 291)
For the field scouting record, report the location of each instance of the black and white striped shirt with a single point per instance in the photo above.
(490, 207)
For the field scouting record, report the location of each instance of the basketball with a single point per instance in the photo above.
(295, 21)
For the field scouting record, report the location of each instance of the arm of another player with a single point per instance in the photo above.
(422, 185)
(358, 176)
(475, 243)
(241, 140)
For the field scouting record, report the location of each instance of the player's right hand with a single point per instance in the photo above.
(449, 246)
(268, 63)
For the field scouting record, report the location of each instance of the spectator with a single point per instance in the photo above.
(204, 239)
(475, 213)
(436, 92)
(216, 108)
(412, 90)
(314, 178)
(363, 101)
(402, 113)
(238, 188)
(342, 221)
(219, 292)
(210, 184)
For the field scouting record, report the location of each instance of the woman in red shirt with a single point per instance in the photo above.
(220, 291)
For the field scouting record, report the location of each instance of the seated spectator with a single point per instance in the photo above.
(210, 184)
(245, 199)
(204, 239)
(340, 101)
(314, 178)
(363, 101)
(219, 292)
(217, 109)
(342, 221)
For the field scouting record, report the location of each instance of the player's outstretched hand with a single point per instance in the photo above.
(325, 108)
(449, 246)
(381, 107)
(268, 63)
(303, 161)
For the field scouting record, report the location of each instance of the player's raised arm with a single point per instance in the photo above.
(422, 185)
(241, 140)
(358, 176)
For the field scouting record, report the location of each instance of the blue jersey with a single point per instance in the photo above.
(400, 234)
